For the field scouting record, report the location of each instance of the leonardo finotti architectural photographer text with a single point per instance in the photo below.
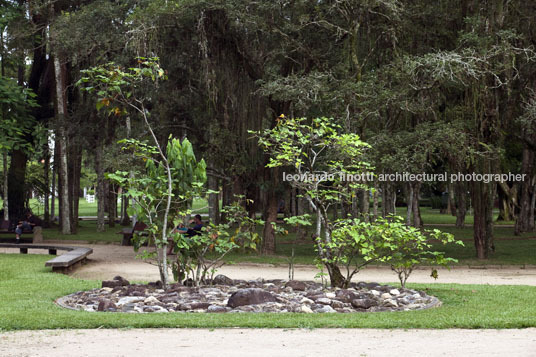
(405, 177)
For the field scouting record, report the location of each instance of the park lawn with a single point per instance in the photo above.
(28, 291)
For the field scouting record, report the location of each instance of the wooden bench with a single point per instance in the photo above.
(62, 263)
(128, 233)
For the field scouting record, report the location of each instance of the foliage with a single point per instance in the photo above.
(16, 121)
(150, 191)
(323, 156)
(198, 256)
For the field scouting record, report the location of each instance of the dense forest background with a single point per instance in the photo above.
(432, 86)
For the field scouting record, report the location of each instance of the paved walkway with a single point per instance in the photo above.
(269, 342)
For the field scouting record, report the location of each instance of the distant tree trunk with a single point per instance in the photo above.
(227, 192)
(507, 201)
(6, 191)
(461, 203)
(388, 199)
(112, 205)
(16, 184)
(451, 205)
(482, 198)
(100, 185)
(523, 221)
(75, 168)
(409, 203)
(270, 212)
(46, 159)
(375, 200)
(61, 103)
(301, 231)
(364, 204)
(417, 220)
(53, 187)
(532, 205)
(213, 200)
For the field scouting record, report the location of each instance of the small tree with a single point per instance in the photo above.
(199, 256)
(120, 91)
(409, 247)
(323, 157)
(150, 191)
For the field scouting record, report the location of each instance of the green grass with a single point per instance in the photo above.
(28, 291)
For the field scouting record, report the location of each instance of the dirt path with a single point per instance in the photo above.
(269, 342)
(108, 261)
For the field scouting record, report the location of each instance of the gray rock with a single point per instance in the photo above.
(199, 305)
(124, 282)
(385, 296)
(129, 299)
(106, 305)
(346, 295)
(394, 292)
(222, 280)
(250, 296)
(150, 300)
(325, 309)
(296, 285)
(216, 309)
(111, 284)
(306, 309)
(390, 303)
(323, 301)
(363, 303)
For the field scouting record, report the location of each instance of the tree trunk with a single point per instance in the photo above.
(270, 212)
(364, 204)
(75, 168)
(46, 159)
(268, 234)
(417, 220)
(16, 185)
(100, 185)
(6, 190)
(409, 203)
(375, 200)
(53, 188)
(388, 199)
(523, 221)
(61, 103)
(213, 200)
(461, 204)
(451, 206)
(336, 278)
(112, 205)
(482, 197)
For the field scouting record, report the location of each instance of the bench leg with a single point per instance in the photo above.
(52, 252)
(23, 250)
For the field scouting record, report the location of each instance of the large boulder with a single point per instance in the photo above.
(250, 296)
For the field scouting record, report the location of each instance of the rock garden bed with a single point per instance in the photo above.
(227, 296)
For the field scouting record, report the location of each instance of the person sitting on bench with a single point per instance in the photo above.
(27, 225)
(189, 232)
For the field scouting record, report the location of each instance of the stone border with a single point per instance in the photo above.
(272, 296)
